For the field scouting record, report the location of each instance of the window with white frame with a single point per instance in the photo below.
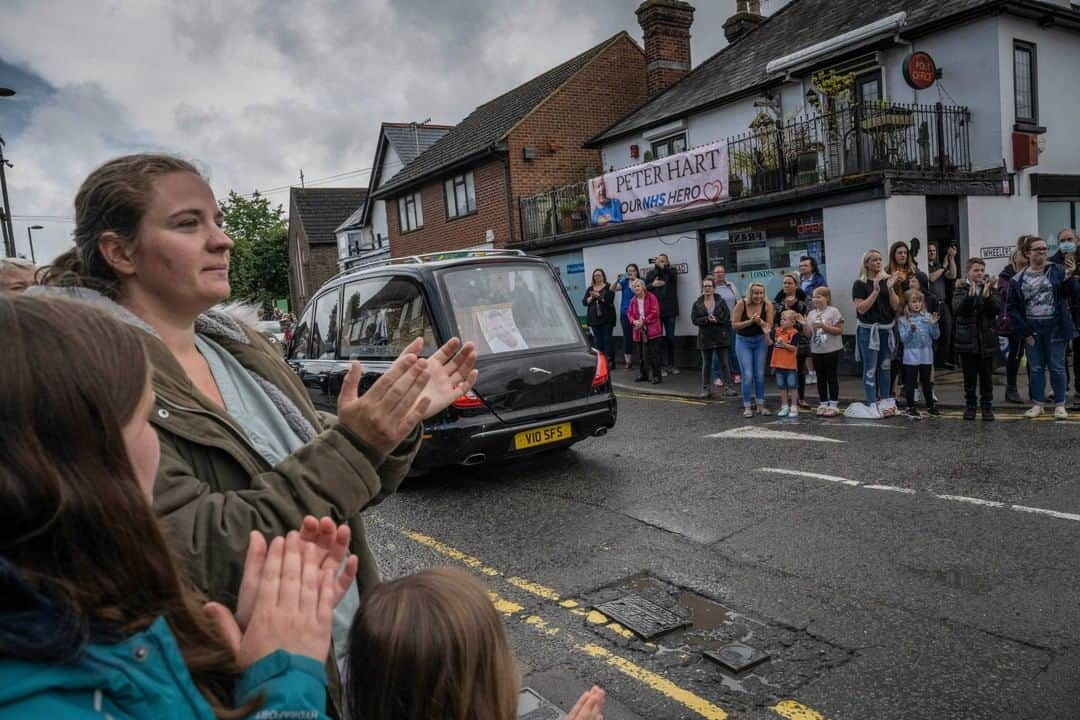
(1025, 82)
(669, 146)
(460, 193)
(410, 212)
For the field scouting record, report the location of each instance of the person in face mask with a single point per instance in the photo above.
(1067, 240)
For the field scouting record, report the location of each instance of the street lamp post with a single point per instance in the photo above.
(30, 236)
(9, 232)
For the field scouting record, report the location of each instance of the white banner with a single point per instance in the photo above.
(678, 182)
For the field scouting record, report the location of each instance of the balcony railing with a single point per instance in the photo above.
(917, 140)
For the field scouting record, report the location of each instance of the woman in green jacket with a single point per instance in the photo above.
(96, 618)
(242, 446)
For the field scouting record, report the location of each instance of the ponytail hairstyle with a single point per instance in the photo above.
(430, 645)
(114, 198)
(74, 523)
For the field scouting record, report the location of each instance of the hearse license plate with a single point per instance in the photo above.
(542, 436)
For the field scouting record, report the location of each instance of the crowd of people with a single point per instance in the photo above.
(180, 529)
(911, 322)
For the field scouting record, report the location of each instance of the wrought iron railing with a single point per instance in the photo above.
(920, 140)
(556, 212)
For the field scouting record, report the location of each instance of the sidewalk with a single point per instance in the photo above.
(948, 385)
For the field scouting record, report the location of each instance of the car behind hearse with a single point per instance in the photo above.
(540, 387)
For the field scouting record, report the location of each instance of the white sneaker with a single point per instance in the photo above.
(811, 378)
(793, 412)
(1033, 412)
(1060, 413)
(784, 411)
(674, 370)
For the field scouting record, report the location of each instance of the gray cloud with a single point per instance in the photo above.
(257, 89)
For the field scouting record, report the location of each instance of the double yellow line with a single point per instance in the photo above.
(790, 709)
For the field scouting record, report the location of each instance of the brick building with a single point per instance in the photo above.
(463, 191)
(314, 214)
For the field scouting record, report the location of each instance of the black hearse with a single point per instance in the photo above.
(541, 386)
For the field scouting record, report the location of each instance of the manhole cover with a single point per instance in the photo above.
(737, 657)
(531, 706)
(643, 617)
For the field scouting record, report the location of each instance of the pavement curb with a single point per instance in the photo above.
(650, 389)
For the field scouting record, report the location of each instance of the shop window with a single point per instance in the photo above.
(764, 251)
(1055, 216)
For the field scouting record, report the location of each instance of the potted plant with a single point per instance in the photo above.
(740, 166)
(567, 207)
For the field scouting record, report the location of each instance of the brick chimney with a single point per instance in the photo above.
(747, 17)
(666, 26)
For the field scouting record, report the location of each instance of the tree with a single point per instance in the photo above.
(259, 263)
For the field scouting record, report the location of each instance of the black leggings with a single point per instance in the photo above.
(650, 358)
(827, 366)
(923, 373)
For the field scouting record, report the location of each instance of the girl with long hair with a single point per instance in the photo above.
(753, 321)
(97, 618)
(430, 645)
(242, 445)
(599, 302)
(876, 295)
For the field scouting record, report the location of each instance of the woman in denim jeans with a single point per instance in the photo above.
(876, 303)
(1039, 312)
(753, 321)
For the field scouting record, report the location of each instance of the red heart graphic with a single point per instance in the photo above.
(714, 191)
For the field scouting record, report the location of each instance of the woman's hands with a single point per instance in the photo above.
(451, 374)
(385, 415)
(412, 390)
(288, 593)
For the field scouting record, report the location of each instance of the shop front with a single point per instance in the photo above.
(766, 250)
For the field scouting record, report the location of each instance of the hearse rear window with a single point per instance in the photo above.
(508, 308)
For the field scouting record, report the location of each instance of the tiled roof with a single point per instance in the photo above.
(490, 123)
(322, 210)
(410, 141)
(741, 65)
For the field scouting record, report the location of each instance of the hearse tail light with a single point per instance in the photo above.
(600, 377)
(469, 401)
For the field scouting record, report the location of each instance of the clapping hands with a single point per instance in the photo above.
(288, 593)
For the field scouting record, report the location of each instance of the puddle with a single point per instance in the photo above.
(706, 618)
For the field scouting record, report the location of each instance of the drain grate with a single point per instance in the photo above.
(531, 706)
(737, 657)
(644, 617)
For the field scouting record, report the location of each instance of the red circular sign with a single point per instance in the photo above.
(920, 71)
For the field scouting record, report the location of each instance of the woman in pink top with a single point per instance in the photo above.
(644, 314)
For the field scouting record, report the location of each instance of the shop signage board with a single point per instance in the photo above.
(996, 252)
(920, 70)
(686, 180)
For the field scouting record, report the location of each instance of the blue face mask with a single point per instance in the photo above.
(1067, 247)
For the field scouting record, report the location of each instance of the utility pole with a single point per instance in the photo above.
(5, 211)
(9, 232)
(301, 177)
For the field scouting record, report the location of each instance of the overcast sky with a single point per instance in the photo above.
(255, 90)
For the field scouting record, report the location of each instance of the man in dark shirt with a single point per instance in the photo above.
(662, 282)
